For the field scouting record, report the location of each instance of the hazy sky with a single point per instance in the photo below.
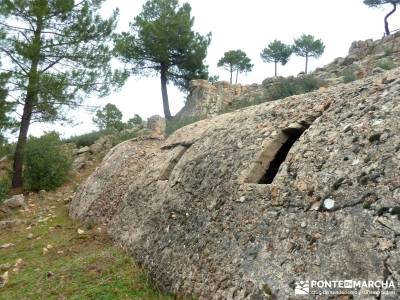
(249, 25)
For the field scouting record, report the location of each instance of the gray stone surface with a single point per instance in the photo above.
(156, 124)
(193, 213)
(100, 196)
(17, 201)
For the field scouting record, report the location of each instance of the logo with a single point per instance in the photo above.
(302, 288)
(348, 284)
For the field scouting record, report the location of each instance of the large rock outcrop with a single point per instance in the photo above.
(242, 205)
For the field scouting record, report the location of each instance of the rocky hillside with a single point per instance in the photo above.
(365, 58)
(45, 255)
(243, 205)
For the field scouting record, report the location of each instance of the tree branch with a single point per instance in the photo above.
(14, 60)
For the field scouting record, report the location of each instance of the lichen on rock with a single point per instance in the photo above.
(191, 211)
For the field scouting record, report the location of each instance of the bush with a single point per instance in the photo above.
(5, 186)
(290, 86)
(386, 64)
(86, 139)
(6, 149)
(135, 122)
(124, 135)
(46, 164)
(348, 76)
(176, 123)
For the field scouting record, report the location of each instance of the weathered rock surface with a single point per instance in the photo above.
(100, 196)
(17, 201)
(156, 124)
(212, 213)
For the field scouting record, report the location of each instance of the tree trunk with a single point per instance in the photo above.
(276, 69)
(387, 30)
(306, 64)
(231, 75)
(164, 92)
(237, 75)
(30, 99)
(17, 180)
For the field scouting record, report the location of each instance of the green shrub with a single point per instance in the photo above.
(290, 86)
(176, 123)
(6, 149)
(5, 186)
(385, 63)
(46, 164)
(257, 99)
(86, 139)
(124, 135)
(348, 76)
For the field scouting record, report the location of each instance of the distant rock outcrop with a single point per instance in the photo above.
(365, 58)
(243, 205)
(156, 125)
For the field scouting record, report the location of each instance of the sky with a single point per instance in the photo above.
(248, 25)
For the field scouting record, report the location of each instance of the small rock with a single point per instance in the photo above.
(356, 149)
(45, 251)
(5, 267)
(80, 231)
(315, 206)
(242, 199)
(303, 224)
(30, 236)
(384, 244)
(16, 201)
(329, 204)
(83, 150)
(50, 274)
(378, 70)
(8, 245)
(42, 194)
(9, 224)
(18, 265)
(3, 279)
(347, 128)
(67, 200)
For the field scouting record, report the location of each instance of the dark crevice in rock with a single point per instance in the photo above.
(291, 135)
(174, 145)
(169, 167)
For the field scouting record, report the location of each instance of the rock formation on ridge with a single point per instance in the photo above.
(365, 58)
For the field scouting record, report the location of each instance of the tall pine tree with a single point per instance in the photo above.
(56, 52)
(235, 61)
(377, 3)
(308, 46)
(277, 52)
(162, 41)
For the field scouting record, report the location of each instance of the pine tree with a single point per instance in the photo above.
(307, 46)
(109, 118)
(376, 3)
(277, 52)
(235, 61)
(162, 41)
(56, 52)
